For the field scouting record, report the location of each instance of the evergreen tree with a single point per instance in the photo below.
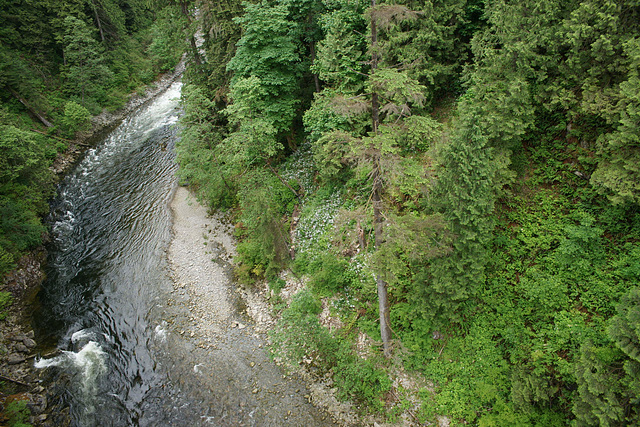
(618, 173)
(86, 73)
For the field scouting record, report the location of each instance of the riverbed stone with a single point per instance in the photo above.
(15, 359)
(21, 348)
(29, 342)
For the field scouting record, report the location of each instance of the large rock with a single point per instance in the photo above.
(15, 359)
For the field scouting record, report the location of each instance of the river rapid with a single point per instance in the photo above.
(137, 347)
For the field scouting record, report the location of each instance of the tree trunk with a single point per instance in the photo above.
(316, 81)
(381, 285)
(196, 52)
(95, 10)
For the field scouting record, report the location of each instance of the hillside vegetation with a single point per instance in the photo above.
(457, 180)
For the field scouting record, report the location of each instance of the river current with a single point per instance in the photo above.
(106, 277)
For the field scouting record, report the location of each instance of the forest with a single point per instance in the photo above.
(456, 182)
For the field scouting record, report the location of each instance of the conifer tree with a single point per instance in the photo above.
(86, 73)
(387, 97)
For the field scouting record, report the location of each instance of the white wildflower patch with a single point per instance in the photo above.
(301, 168)
(314, 226)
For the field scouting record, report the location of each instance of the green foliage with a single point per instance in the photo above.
(219, 43)
(299, 334)
(21, 158)
(25, 185)
(18, 413)
(59, 62)
(342, 52)
(199, 152)
(299, 338)
(76, 118)
(511, 228)
(266, 67)
(167, 45)
(466, 191)
(618, 173)
(359, 378)
(5, 301)
(86, 73)
(264, 202)
(598, 400)
(331, 274)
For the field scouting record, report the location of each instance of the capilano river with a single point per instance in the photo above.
(111, 306)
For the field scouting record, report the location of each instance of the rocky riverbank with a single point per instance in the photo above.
(18, 348)
(227, 325)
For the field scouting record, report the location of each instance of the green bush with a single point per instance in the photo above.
(330, 274)
(76, 118)
(18, 413)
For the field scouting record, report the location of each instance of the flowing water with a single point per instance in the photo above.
(104, 302)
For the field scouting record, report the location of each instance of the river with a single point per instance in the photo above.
(109, 303)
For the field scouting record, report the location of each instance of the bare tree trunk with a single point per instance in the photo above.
(95, 10)
(381, 285)
(196, 52)
(316, 81)
(361, 241)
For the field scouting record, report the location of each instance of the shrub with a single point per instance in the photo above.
(76, 118)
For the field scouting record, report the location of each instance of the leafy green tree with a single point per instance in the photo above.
(266, 66)
(199, 151)
(76, 118)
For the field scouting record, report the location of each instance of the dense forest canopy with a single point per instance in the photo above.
(457, 180)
